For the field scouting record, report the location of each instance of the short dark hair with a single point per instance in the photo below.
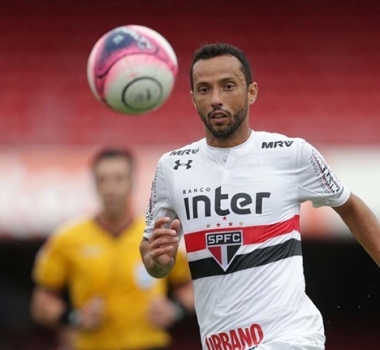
(108, 153)
(209, 51)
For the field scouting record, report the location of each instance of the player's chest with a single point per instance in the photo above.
(245, 169)
(238, 187)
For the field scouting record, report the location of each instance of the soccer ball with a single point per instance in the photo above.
(132, 69)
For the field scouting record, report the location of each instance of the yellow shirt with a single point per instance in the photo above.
(90, 262)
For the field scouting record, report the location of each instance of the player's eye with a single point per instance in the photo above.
(229, 86)
(203, 89)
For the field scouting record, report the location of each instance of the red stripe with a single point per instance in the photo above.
(254, 234)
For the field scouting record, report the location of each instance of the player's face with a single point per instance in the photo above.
(114, 184)
(222, 98)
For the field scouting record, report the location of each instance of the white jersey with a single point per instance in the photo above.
(240, 220)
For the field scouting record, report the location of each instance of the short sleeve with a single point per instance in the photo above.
(159, 202)
(51, 264)
(316, 181)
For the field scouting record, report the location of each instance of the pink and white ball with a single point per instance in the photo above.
(132, 69)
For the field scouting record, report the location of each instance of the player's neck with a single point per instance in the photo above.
(114, 224)
(233, 141)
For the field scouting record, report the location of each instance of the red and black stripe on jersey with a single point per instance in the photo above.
(209, 266)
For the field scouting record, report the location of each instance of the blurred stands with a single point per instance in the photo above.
(316, 65)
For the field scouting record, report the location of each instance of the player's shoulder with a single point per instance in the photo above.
(272, 140)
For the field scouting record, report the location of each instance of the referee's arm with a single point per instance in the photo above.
(47, 306)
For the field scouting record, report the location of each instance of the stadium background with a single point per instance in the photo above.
(317, 65)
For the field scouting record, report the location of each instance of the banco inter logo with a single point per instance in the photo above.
(222, 204)
(224, 246)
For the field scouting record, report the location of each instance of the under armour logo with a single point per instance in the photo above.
(187, 165)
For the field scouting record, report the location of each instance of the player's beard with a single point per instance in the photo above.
(236, 120)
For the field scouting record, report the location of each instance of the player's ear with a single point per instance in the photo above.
(192, 98)
(253, 90)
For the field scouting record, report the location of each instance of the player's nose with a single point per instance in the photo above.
(216, 99)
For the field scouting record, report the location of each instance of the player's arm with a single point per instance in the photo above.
(159, 251)
(161, 236)
(320, 185)
(363, 224)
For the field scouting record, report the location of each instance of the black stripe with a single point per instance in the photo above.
(210, 267)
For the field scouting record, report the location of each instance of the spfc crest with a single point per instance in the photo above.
(224, 246)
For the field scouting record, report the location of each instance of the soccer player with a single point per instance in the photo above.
(235, 198)
(116, 304)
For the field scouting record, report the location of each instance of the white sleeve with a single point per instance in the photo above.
(316, 181)
(159, 203)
